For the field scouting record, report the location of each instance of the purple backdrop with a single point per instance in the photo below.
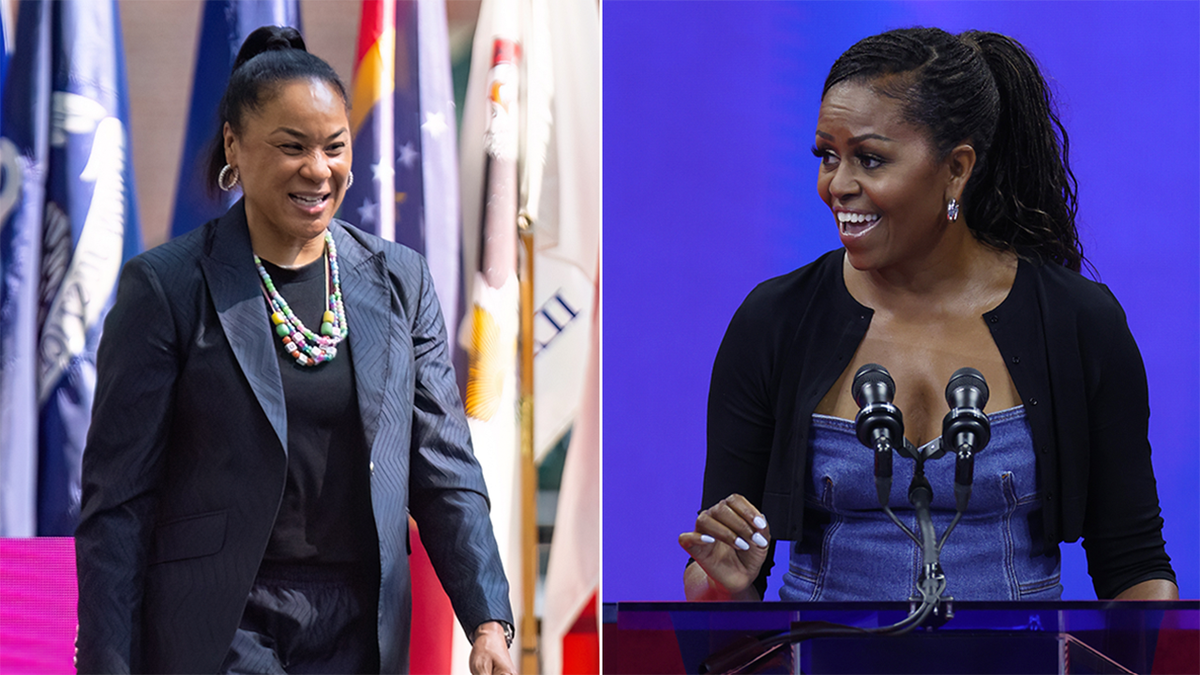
(709, 188)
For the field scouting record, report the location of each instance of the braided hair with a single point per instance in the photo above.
(270, 57)
(985, 89)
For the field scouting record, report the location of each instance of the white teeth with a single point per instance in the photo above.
(845, 217)
(861, 222)
(311, 201)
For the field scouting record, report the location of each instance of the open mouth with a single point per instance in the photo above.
(309, 201)
(854, 224)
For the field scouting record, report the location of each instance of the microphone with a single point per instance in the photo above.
(879, 424)
(965, 429)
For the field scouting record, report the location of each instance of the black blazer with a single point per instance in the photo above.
(185, 463)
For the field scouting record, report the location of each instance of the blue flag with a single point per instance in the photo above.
(225, 26)
(68, 221)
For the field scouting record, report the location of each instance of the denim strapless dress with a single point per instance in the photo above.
(852, 551)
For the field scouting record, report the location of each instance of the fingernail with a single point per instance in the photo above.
(741, 543)
(759, 539)
(760, 522)
(706, 539)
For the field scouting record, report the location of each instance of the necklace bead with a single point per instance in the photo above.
(308, 348)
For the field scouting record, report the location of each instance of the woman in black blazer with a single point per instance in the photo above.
(274, 399)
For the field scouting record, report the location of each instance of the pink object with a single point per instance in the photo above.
(37, 605)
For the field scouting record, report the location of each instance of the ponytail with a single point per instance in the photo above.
(1024, 197)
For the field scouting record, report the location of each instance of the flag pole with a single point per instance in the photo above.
(526, 214)
(529, 543)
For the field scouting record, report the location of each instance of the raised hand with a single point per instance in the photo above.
(729, 546)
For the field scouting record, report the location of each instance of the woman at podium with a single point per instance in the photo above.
(946, 172)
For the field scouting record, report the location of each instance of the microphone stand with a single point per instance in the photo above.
(877, 411)
(928, 608)
(932, 580)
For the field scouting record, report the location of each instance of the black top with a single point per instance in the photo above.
(325, 515)
(1068, 350)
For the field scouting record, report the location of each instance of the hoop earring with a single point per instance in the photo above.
(349, 179)
(952, 210)
(226, 173)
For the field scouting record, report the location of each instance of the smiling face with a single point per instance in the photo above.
(882, 179)
(293, 154)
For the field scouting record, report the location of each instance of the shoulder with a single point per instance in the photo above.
(1071, 299)
(405, 270)
(1084, 324)
(188, 247)
(784, 314)
(1061, 283)
(781, 300)
(395, 254)
(822, 271)
(174, 265)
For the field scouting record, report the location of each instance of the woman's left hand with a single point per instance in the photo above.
(489, 652)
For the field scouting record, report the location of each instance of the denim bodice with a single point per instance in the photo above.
(852, 551)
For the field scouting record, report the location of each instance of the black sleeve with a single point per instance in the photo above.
(1122, 527)
(448, 498)
(741, 417)
(122, 468)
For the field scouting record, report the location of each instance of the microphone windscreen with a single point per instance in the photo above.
(872, 384)
(958, 391)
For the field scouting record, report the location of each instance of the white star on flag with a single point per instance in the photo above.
(408, 155)
(380, 171)
(368, 212)
(435, 124)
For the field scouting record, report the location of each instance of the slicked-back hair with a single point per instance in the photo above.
(270, 57)
(983, 89)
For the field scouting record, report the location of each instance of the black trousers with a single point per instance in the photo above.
(308, 619)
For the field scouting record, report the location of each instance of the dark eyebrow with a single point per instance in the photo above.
(855, 140)
(860, 139)
(302, 136)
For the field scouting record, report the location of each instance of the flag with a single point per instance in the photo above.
(560, 187)
(224, 27)
(561, 197)
(405, 151)
(551, 50)
(68, 222)
(573, 573)
(488, 170)
(368, 201)
(406, 190)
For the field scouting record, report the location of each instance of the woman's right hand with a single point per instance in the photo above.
(729, 546)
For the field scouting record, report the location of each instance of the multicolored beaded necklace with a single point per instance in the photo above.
(308, 348)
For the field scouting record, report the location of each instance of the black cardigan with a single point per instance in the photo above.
(1071, 356)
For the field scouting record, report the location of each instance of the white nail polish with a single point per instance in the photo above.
(741, 543)
(706, 539)
(760, 540)
(760, 522)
